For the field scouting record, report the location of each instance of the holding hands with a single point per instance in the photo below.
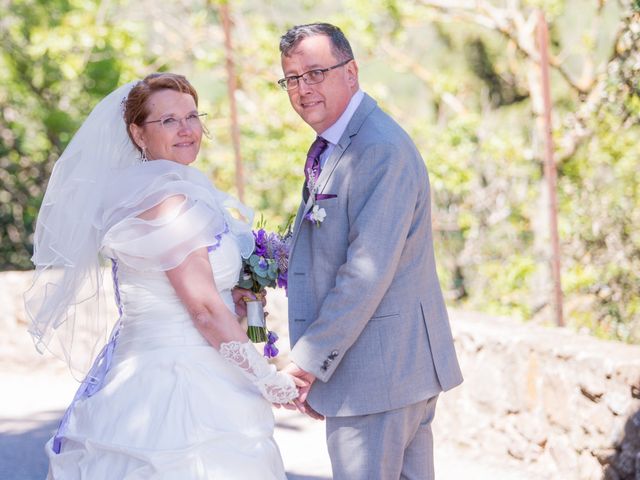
(290, 386)
(277, 387)
(304, 380)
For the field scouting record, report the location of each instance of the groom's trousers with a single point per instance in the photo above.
(392, 445)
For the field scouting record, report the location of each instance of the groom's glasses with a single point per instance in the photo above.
(310, 78)
(172, 124)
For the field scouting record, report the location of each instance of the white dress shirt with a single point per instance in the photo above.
(335, 131)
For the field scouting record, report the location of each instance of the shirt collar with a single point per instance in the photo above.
(335, 131)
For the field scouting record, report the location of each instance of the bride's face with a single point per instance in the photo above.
(172, 131)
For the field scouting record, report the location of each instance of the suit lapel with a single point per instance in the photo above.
(367, 105)
(362, 112)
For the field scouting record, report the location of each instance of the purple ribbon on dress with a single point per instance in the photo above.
(213, 247)
(93, 381)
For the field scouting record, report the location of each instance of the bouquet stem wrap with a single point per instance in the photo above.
(256, 327)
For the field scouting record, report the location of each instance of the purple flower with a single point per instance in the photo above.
(270, 349)
(283, 280)
(261, 242)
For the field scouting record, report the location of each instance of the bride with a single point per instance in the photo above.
(178, 392)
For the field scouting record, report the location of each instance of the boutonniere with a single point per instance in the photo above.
(317, 214)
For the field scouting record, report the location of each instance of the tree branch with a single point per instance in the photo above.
(423, 74)
(512, 25)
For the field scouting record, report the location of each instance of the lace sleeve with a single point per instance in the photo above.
(277, 387)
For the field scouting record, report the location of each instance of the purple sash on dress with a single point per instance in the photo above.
(92, 383)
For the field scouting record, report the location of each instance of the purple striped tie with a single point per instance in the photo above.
(312, 165)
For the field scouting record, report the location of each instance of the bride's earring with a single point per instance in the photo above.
(143, 155)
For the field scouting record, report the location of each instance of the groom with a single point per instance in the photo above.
(368, 325)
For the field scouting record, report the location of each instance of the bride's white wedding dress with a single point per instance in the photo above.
(170, 407)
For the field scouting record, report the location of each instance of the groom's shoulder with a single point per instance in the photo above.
(382, 144)
(380, 126)
(379, 129)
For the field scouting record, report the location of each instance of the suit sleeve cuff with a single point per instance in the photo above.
(320, 363)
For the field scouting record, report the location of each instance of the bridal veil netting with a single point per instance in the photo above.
(66, 303)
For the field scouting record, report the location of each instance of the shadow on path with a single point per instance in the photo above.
(624, 464)
(22, 442)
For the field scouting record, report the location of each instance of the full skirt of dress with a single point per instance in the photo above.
(170, 407)
(176, 413)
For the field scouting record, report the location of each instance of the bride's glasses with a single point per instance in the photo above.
(172, 124)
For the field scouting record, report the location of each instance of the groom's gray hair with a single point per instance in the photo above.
(340, 46)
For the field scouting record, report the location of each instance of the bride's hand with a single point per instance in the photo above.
(275, 386)
(239, 295)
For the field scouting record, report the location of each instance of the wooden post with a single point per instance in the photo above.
(232, 86)
(550, 172)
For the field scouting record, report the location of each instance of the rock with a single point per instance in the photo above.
(557, 400)
(604, 455)
(597, 424)
(531, 428)
(588, 467)
(617, 402)
(592, 386)
(564, 456)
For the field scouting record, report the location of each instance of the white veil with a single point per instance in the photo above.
(68, 276)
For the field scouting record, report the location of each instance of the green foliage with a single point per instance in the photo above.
(465, 93)
(601, 196)
(57, 59)
(485, 162)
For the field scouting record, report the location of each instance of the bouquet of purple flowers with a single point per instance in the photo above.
(266, 267)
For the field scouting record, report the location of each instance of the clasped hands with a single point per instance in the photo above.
(303, 380)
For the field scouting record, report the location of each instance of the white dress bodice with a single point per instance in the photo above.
(154, 316)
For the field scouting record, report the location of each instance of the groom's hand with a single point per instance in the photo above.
(311, 412)
(239, 294)
(308, 379)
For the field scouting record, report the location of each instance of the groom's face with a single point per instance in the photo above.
(321, 104)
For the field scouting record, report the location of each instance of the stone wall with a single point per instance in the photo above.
(12, 287)
(560, 405)
(554, 404)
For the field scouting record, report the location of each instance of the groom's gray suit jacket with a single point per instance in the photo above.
(366, 313)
